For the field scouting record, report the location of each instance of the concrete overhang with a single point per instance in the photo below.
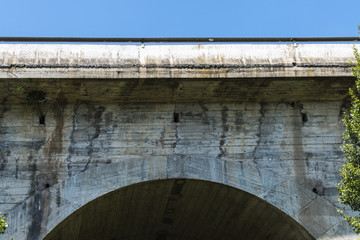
(175, 61)
(178, 73)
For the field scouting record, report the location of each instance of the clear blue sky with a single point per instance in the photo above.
(179, 18)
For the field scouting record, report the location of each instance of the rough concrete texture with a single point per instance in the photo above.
(175, 61)
(275, 138)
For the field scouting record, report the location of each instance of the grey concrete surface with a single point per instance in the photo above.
(175, 61)
(255, 121)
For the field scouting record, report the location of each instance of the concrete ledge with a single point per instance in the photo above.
(175, 61)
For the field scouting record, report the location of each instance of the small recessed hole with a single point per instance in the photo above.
(47, 185)
(176, 118)
(294, 64)
(304, 117)
(42, 120)
(315, 190)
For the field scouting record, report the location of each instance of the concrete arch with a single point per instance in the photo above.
(53, 205)
(178, 209)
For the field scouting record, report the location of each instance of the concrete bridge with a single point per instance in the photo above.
(170, 142)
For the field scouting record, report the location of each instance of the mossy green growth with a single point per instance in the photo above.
(3, 225)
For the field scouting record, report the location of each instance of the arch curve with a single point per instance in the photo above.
(55, 204)
(176, 209)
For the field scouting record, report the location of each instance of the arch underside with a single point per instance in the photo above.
(146, 199)
(176, 209)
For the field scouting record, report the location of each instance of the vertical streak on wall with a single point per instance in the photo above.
(298, 162)
(225, 129)
(4, 151)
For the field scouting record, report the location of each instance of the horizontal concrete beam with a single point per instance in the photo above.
(175, 61)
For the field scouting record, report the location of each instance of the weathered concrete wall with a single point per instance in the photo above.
(277, 138)
(299, 141)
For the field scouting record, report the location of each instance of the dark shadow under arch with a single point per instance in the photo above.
(176, 209)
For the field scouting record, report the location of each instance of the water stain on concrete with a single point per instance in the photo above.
(90, 117)
(225, 129)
